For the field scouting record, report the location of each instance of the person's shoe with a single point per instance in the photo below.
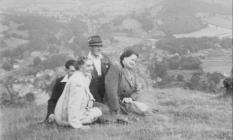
(101, 120)
(122, 120)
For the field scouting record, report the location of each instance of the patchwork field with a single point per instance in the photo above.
(218, 61)
(181, 114)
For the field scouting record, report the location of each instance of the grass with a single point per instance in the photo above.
(182, 115)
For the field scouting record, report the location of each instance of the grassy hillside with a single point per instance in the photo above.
(181, 115)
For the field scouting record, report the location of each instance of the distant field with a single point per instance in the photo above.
(224, 21)
(218, 62)
(227, 3)
(182, 115)
(209, 31)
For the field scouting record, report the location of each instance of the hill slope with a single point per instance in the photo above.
(181, 115)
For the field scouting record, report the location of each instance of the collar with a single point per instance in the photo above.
(65, 79)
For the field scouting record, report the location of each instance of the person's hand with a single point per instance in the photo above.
(90, 104)
(127, 100)
(51, 118)
(85, 127)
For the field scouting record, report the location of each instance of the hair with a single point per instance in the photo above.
(80, 61)
(69, 63)
(127, 53)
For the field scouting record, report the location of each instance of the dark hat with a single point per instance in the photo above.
(95, 41)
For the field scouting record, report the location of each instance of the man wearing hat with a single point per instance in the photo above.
(101, 65)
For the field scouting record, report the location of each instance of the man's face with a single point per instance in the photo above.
(96, 51)
(71, 70)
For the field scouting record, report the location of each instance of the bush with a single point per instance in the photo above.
(146, 21)
(194, 81)
(159, 69)
(226, 43)
(174, 62)
(190, 63)
(180, 77)
(30, 97)
(7, 66)
(184, 45)
(55, 61)
(215, 77)
(37, 61)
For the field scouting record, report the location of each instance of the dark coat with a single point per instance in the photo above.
(56, 93)
(97, 85)
(118, 87)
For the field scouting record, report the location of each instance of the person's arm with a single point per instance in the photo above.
(134, 96)
(138, 87)
(111, 87)
(54, 98)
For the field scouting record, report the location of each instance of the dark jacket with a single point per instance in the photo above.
(97, 85)
(56, 93)
(118, 87)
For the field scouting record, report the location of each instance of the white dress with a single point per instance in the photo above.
(72, 107)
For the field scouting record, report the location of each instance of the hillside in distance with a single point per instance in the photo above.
(37, 35)
(170, 16)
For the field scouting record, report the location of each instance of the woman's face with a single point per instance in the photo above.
(87, 67)
(130, 62)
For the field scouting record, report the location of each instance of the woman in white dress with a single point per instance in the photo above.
(75, 106)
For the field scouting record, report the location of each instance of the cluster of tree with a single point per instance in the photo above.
(183, 63)
(178, 16)
(143, 20)
(44, 32)
(207, 82)
(16, 53)
(51, 62)
(160, 68)
(226, 43)
(183, 46)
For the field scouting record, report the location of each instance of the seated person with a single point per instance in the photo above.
(122, 88)
(75, 106)
(58, 89)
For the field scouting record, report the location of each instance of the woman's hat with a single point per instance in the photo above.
(95, 41)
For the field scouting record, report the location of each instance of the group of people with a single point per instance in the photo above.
(93, 87)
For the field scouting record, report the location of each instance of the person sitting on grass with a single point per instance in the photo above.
(122, 87)
(58, 89)
(75, 106)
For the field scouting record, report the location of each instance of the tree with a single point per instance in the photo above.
(190, 63)
(180, 77)
(158, 69)
(77, 26)
(226, 43)
(37, 61)
(174, 62)
(194, 81)
(228, 85)
(8, 84)
(55, 61)
(215, 77)
(146, 21)
(7, 66)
